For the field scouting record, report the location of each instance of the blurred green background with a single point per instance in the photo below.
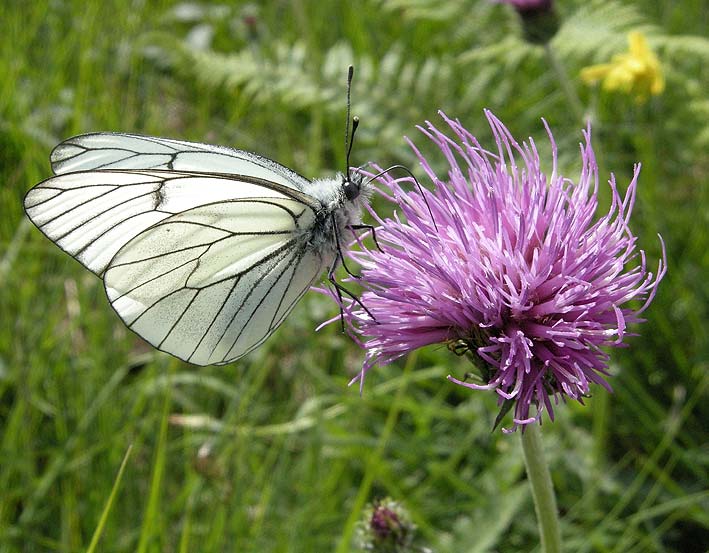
(275, 452)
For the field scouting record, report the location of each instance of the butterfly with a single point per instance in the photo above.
(203, 250)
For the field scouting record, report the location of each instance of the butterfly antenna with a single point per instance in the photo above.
(416, 182)
(355, 124)
(349, 137)
(350, 74)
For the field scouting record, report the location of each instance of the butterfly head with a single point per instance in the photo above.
(352, 185)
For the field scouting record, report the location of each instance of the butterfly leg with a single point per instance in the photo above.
(339, 290)
(372, 230)
(340, 255)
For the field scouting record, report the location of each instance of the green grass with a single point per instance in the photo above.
(275, 453)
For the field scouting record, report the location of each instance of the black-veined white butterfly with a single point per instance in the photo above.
(203, 250)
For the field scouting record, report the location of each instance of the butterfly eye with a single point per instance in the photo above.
(351, 189)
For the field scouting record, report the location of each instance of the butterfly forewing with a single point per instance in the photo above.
(210, 284)
(93, 214)
(102, 151)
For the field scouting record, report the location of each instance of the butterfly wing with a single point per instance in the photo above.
(204, 267)
(91, 215)
(210, 284)
(105, 151)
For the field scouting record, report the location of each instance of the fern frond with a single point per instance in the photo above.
(599, 29)
(287, 78)
(429, 10)
(679, 46)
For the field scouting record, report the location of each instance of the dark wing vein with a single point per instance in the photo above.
(282, 254)
(214, 320)
(161, 275)
(97, 215)
(298, 254)
(261, 261)
(123, 142)
(273, 324)
(277, 259)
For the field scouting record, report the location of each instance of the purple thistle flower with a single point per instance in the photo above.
(539, 20)
(384, 522)
(528, 5)
(386, 527)
(513, 268)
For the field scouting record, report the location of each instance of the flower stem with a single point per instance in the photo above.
(542, 489)
(566, 85)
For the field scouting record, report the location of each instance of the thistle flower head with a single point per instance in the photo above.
(507, 263)
(528, 5)
(539, 20)
(386, 527)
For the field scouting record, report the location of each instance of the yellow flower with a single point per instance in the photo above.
(637, 71)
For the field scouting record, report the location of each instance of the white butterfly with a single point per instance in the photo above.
(203, 250)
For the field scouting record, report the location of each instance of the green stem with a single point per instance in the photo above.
(566, 85)
(542, 489)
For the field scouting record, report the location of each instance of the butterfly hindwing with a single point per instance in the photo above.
(212, 283)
